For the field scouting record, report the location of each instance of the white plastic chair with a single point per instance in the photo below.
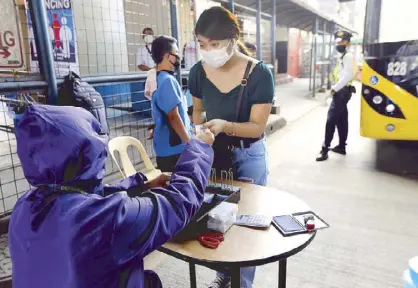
(121, 145)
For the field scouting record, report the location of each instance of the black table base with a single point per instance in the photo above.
(235, 274)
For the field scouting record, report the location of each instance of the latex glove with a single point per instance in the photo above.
(206, 136)
(216, 126)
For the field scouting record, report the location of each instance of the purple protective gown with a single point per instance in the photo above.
(63, 237)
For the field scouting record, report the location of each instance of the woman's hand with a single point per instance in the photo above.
(161, 181)
(216, 126)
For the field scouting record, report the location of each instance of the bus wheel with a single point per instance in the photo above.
(397, 157)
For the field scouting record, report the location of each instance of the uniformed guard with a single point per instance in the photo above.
(343, 75)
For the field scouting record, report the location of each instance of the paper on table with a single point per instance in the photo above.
(198, 129)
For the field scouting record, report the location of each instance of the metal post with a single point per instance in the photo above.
(315, 56)
(192, 271)
(282, 273)
(232, 6)
(323, 68)
(235, 274)
(259, 54)
(195, 18)
(311, 60)
(273, 35)
(276, 107)
(175, 30)
(43, 42)
(331, 55)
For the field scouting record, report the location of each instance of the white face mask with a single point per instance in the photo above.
(148, 39)
(217, 58)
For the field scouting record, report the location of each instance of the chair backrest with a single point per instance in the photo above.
(121, 145)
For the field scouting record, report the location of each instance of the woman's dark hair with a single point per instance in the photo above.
(161, 46)
(147, 29)
(217, 23)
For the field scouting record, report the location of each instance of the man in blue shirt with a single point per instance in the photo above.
(172, 124)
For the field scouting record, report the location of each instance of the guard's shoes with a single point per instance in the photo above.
(323, 155)
(221, 282)
(339, 149)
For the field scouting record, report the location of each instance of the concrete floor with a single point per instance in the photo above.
(373, 215)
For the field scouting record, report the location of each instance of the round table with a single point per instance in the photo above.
(245, 246)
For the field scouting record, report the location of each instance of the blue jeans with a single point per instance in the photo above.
(251, 163)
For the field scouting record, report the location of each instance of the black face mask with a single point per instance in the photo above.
(176, 64)
(341, 48)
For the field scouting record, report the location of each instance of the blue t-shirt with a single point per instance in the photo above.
(167, 96)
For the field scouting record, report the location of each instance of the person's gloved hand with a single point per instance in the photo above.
(216, 126)
(206, 136)
(161, 181)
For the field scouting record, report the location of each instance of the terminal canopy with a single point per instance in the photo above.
(296, 14)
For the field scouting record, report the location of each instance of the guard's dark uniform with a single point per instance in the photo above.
(341, 91)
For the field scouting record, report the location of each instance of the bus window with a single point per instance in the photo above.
(390, 21)
(398, 21)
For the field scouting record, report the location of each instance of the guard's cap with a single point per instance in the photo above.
(342, 35)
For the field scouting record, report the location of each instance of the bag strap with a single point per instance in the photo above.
(149, 51)
(244, 83)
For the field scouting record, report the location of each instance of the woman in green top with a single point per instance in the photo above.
(215, 84)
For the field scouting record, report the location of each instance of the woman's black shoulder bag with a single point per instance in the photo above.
(223, 143)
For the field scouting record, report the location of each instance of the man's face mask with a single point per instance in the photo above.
(341, 48)
(148, 39)
(175, 62)
(217, 58)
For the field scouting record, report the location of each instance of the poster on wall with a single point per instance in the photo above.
(62, 34)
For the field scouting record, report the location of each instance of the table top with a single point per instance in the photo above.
(245, 246)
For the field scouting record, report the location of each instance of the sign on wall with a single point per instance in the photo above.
(62, 35)
(11, 53)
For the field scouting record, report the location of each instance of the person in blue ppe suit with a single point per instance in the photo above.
(71, 230)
